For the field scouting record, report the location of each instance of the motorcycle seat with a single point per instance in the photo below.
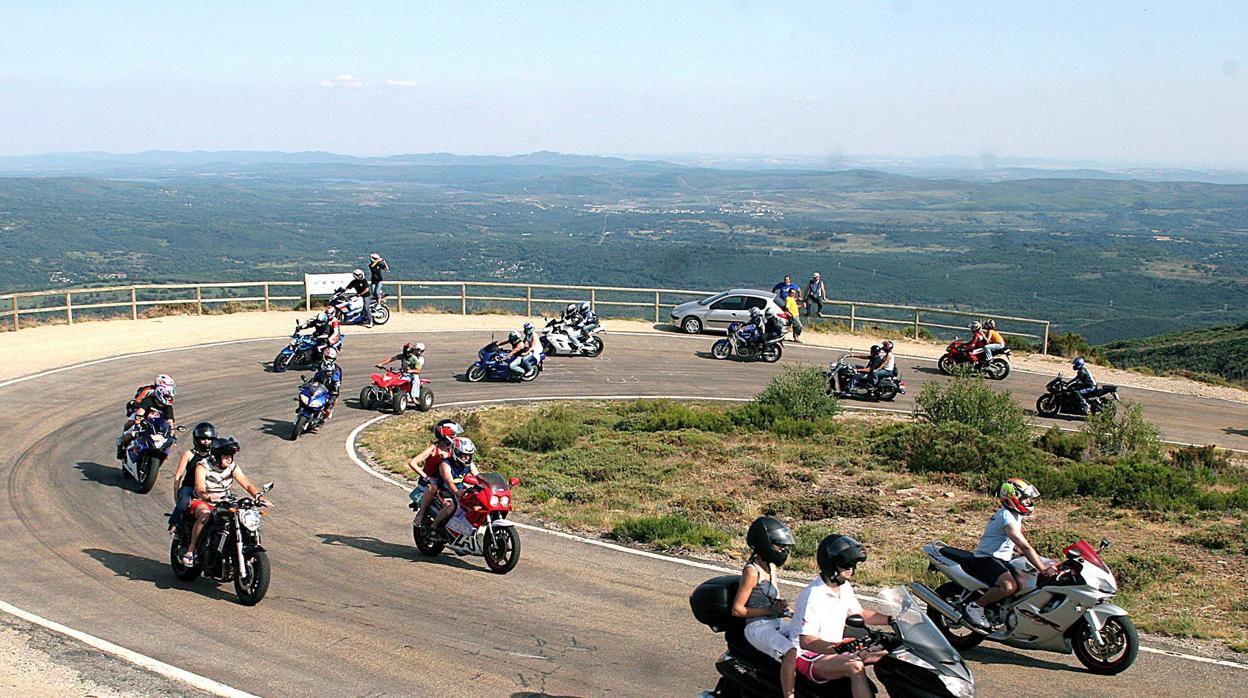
(958, 555)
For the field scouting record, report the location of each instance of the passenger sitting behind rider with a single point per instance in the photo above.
(773, 326)
(184, 476)
(758, 598)
(523, 351)
(818, 625)
(1002, 538)
(451, 477)
(411, 360)
(880, 364)
(329, 374)
(428, 463)
(214, 476)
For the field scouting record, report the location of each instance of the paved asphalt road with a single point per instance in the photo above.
(354, 609)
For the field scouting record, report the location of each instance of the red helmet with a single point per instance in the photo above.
(1018, 495)
(446, 431)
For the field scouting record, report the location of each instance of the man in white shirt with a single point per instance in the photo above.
(818, 625)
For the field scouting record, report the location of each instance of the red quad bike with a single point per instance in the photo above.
(958, 354)
(395, 389)
(479, 526)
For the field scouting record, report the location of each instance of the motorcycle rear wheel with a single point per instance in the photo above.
(772, 353)
(381, 314)
(1046, 405)
(425, 403)
(532, 372)
(721, 349)
(148, 468)
(474, 373)
(593, 347)
(502, 549)
(257, 584)
(960, 638)
(301, 423)
(186, 574)
(1119, 632)
(886, 392)
(998, 369)
(423, 537)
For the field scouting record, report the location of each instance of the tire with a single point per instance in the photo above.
(534, 371)
(721, 349)
(366, 397)
(998, 369)
(474, 373)
(1120, 632)
(258, 582)
(301, 423)
(772, 353)
(592, 347)
(502, 549)
(281, 362)
(887, 392)
(425, 403)
(149, 467)
(948, 592)
(1047, 405)
(186, 574)
(946, 364)
(381, 314)
(398, 404)
(427, 546)
(691, 325)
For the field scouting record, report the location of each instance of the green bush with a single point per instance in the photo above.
(664, 415)
(951, 447)
(1062, 444)
(970, 401)
(826, 506)
(669, 532)
(1224, 537)
(552, 429)
(773, 418)
(1199, 459)
(1138, 571)
(801, 393)
(1071, 344)
(1122, 433)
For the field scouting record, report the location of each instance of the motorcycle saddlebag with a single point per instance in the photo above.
(711, 601)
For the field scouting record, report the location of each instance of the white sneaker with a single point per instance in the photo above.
(974, 613)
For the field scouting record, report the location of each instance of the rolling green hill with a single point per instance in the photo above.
(1216, 351)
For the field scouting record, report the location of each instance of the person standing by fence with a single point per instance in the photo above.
(795, 320)
(816, 294)
(376, 265)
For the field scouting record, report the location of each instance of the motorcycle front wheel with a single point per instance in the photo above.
(502, 549)
(281, 362)
(946, 364)
(474, 373)
(721, 349)
(1046, 405)
(148, 467)
(1122, 644)
(301, 423)
(257, 584)
(186, 574)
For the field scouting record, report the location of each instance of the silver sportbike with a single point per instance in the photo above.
(1065, 611)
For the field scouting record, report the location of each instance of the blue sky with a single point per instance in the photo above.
(1132, 82)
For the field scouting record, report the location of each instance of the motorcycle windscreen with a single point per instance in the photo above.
(921, 635)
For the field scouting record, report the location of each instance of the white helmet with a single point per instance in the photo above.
(358, 273)
(462, 450)
(770, 312)
(419, 349)
(975, 326)
(330, 355)
(374, 256)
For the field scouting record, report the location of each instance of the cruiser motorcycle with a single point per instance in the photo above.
(229, 548)
(845, 381)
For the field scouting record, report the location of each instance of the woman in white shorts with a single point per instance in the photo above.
(758, 600)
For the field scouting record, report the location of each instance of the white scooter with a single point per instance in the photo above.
(556, 342)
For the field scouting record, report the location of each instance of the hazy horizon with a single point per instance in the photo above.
(1114, 84)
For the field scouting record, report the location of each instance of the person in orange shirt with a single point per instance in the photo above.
(995, 342)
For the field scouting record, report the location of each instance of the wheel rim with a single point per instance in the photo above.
(500, 547)
(1115, 646)
(693, 325)
(720, 350)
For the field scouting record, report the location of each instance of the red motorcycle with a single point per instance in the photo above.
(479, 525)
(395, 389)
(958, 356)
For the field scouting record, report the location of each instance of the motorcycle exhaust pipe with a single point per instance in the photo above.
(933, 600)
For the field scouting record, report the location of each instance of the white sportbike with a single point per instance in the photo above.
(557, 342)
(1060, 613)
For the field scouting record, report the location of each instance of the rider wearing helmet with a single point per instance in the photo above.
(428, 463)
(359, 286)
(376, 265)
(153, 400)
(411, 359)
(818, 626)
(993, 341)
(324, 329)
(523, 353)
(773, 326)
(214, 476)
(1083, 383)
(451, 476)
(1002, 539)
(329, 374)
(184, 477)
(580, 320)
(758, 598)
(978, 340)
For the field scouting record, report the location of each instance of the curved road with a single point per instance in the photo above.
(354, 609)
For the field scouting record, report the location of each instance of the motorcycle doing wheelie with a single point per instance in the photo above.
(958, 356)
(302, 352)
(395, 388)
(492, 363)
(556, 342)
(1062, 399)
(479, 525)
(920, 662)
(747, 341)
(354, 309)
(141, 460)
(1067, 611)
(844, 380)
(229, 548)
(313, 407)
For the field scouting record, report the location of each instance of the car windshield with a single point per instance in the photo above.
(711, 299)
(920, 634)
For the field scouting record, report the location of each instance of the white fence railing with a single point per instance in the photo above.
(464, 297)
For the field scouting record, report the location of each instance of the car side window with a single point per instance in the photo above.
(729, 303)
(753, 302)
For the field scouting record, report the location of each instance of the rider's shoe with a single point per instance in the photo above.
(974, 614)
(187, 559)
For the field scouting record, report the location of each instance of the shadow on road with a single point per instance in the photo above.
(1235, 432)
(276, 427)
(382, 548)
(927, 369)
(157, 573)
(990, 655)
(103, 474)
(528, 694)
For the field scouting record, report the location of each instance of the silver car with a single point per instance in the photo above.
(717, 311)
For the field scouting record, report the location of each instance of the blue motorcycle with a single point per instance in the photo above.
(492, 363)
(745, 341)
(153, 439)
(313, 404)
(352, 309)
(300, 353)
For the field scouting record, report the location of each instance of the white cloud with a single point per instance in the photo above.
(402, 83)
(344, 80)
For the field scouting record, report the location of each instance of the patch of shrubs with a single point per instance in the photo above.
(801, 393)
(1062, 444)
(1122, 432)
(1138, 571)
(549, 430)
(669, 532)
(826, 506)
(665, 415)
(1222, 537)
(969, 401)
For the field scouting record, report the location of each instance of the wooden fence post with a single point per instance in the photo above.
(199, 302)
(1045, 349)
(853, 313)
(15, 323)
(916, 323)
(134, 304)
(399, 287)
(593, 300)
(656, 306)
(528, 301)
(266, 296)
(463, 299)
(69, 308)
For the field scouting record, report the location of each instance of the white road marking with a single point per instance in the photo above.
(351, 453)
(154, 665)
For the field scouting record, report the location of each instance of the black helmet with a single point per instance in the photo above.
(837, 553)
(875, 349)
(204, 431)
(226, 446)
(770, 539)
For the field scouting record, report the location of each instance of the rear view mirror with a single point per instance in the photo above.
(514, 481)
(1104, 543)
(471, 480)
(855, 621)
(267, 486)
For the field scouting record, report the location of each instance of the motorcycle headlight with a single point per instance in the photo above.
(1106, 586)
(250, 519)
(303, 398)
(493, 500)
(958, 687)
(505, 500)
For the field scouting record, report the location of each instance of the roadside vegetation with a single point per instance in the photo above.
(689, 477)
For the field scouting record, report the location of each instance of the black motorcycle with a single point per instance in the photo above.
(844, 380)
(229, 548)
(920, 662)
(1061, 399)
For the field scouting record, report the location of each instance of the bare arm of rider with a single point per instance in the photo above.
(252, 490)
(749, 580)
(417, 463)
(385, 362)
(181, 470)
(445, 471)
(201, 483)
(1015, 532)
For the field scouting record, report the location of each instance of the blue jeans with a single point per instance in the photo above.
(375, 294)
(989, 348)
(520, 364)
(184, 502)
(874, 376)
